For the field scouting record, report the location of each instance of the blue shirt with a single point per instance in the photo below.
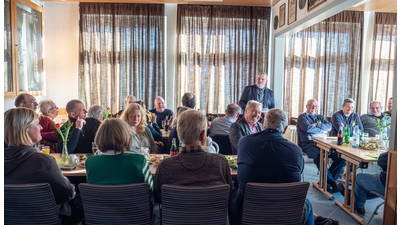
(339, 119)
(221, 125)
(305, 129)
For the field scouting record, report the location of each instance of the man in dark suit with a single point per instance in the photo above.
(258, 92)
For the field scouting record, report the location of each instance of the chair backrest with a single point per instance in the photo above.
(223, 143)
(277, 203)
(116, 204)
(194, 205)
(30, 204)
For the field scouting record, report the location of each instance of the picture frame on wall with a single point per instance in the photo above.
(292, 11)
(282, 15)
(312, 4)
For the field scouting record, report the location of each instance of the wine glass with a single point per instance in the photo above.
(163, 124)
(94, 149)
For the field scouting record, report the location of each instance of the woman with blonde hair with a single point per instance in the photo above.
(135, 117)
(24, 164)
(114, 140)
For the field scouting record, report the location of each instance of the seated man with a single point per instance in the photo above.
(260, 160)
(247, 125)
(310, 124)
(221, 125)
(189, 100)
(193, 166)
(129, 99)
(160, 111)
(96, 111)
(346, 116)
(389, 106)
(368, 182)
(368, 120)
(82, 133)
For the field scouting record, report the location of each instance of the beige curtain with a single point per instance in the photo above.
(121, 49)
(323, 62)
(383, 58)
(221, 49)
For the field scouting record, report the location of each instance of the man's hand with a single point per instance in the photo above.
(314, 124)
(79, 123)
(153, 118)
(160, 143)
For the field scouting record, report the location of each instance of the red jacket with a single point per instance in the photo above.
(48, 132)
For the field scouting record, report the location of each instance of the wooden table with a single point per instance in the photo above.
(81, 171)
(353, 156)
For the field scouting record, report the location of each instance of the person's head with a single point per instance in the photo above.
(141, 103)
(113, 134)
(48, 108)
(75, 108)
(189, 100)
(192, 128)
(261, 80)
(232, 110)
(26, 101)
(276, 119)
(96, 111)
(312, 106)
(129, 99)
(252, 112)
(159, 104)
(22, 127)
(348, 106)
(179, 111)
(390, 104)
(375, 108)
(134, 115)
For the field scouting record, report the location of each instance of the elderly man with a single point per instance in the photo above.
(189, 100)
(193, 166)
(48, 108)
(221, 125)
(83, 131)
(311, 124)
(389, 106)
(258, 92)
(96, 111)
(260, 160)
(368, 120)
(160, 111)
(345, 117)
(247, 125)
(128, 100)
(48, 131)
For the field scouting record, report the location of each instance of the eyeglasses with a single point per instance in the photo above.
(313, 106)
(55, 107)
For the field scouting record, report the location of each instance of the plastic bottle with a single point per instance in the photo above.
(356, 137)
(340, 136)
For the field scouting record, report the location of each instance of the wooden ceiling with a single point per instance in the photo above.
(389, 6)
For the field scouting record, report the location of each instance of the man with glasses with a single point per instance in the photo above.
(310, 124)
(48, 131)
(128, 100)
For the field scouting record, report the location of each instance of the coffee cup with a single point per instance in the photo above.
(73, 160)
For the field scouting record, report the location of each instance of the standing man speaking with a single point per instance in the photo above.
(258, 92)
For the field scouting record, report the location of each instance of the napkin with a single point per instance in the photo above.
(373, 155)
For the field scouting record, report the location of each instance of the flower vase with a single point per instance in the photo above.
(64, 154)
(381, 142)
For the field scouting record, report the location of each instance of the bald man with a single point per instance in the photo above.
(221, 125)
(160, 111)
(258, 92)
(128, 100)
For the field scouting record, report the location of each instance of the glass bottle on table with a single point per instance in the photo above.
(173, 151)
(356, 137)
(340, 136)
(347, 134)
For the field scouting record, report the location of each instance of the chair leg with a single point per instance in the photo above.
(375, 212)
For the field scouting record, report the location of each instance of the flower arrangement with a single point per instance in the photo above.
(106, 112)
(64, 137)
(382, 123)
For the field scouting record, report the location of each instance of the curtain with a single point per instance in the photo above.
(121, 49)
(221, 49)
(323, 62)
(383, 58)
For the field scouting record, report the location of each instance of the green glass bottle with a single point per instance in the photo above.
(347, 134)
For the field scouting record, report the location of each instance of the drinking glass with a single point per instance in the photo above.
(94, 149)
(364, 138)
(46, 149)
(163, 124)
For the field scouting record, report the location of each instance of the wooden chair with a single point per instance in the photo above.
(278, 203)
(30, 204)
(194, 205)
(223, 143)
(116, 204)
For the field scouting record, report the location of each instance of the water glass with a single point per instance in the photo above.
(144, 150)
(94, 149)
(364, 138)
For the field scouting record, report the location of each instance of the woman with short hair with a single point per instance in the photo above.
(96, 111)
(48, 108)
(115, 165)
(135, 117)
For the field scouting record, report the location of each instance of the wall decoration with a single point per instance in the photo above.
(302, 4)
(282, 15)
(276, 21)
(312, 4)
(292, 11)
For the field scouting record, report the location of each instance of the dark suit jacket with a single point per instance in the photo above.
(239, 129)
(250, 93)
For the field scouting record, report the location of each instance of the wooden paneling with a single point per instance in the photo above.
(388, 6)
(390, 207)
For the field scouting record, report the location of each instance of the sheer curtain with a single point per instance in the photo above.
(323, 62)
(383, 58)
(221, 49)
(121, 53)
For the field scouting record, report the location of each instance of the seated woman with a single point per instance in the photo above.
(115, 166)
(136, 119)
(24, 164)
(96, 111)
(174, 134)
(49, 134)
(151, 120)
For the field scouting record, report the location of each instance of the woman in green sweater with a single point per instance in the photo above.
(115, 165)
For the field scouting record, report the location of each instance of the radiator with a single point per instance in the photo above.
(291, 134)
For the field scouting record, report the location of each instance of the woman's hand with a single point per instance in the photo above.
(159, 143)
